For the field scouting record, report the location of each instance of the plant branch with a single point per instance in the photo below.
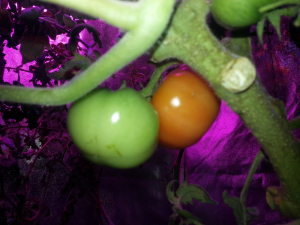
(154, 18)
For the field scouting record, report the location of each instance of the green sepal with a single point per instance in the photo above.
(260, 29)
(274, 18)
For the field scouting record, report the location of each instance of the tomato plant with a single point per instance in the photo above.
(234, 14)
(186, 107)
(117, 129)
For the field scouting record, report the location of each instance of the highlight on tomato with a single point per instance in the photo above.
(186, 106)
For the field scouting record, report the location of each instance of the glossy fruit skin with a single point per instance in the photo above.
(116, 129)
(186, 107)
(234, 14)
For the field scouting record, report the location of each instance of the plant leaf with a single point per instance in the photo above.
(31, 15)
(69, 23)
(170, 193)
(188, 192)
(260, 29)
(236, 205)
(187, 216)
(79, 62)
(274, 18)
(33, 47)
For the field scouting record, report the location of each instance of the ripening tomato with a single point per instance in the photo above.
(186, 107)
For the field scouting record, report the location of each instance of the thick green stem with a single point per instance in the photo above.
(190, 40)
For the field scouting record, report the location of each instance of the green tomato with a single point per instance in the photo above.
(234, 14)
(117, 129)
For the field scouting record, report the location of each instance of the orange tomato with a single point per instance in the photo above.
(186, 107)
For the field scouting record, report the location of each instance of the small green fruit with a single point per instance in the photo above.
(117, 129)
(235, 14)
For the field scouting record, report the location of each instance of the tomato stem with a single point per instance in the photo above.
(157, 73)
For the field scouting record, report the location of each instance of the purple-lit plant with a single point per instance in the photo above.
(169, 33)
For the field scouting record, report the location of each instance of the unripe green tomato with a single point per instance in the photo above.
(117, 129)
(234, 14)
